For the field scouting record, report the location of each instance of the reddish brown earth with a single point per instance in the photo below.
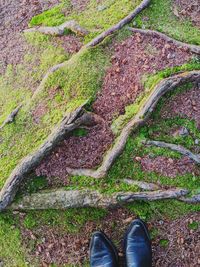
(58, 247)
(188, 9)
(132, 58)
(185, 105)
(167, 166)
(77, 152)
(14, 19)
(136, 56)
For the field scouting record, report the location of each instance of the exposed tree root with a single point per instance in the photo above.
(146, 108)
(11, 116)
(144, 4)
(72, 121)
(193, 48)
(177, 148)
(71, 25)
(95, 41)
(142, 185)
(62, 199)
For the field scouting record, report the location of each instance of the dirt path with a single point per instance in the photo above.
(176, 242)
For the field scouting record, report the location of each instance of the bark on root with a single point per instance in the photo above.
(144, 4)
(11, 117)
(147, 107)
(62, 199)
(72, 121)
(193, 48)
(177, 148)
(71, 25)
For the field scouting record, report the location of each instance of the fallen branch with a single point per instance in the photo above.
(147, 107)
(142, 185)
(62, 199)
(144, 4)
(11, 116)
(72, 121)
(71, 25)
(177, 148)
(193, 48)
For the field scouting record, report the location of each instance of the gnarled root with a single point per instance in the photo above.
(193, 48)
(71, 122)
(62, 199)
(71, 25)
(11, 116)
(147, 107)
(177, 148)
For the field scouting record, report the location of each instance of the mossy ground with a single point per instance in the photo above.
(75, 86)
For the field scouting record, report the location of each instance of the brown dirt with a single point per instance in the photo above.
(14, 19)
(188, 9)
(138, 55)
(184, 243)
(79, 5)
(167, 166)
(61, 248)
(77, 152)
(185, 105)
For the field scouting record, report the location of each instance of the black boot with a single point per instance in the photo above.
(137, 245)
(102, 251)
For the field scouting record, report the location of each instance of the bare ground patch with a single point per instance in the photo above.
(167, 166)
(188, 9)
(185, 105)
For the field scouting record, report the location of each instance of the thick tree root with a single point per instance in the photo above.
(177, 148)
(11, 116)
(147, 106)
(193, 48)
(62, 199)
(60, 30)
(144, 4)
(142, 185)
(72, 121)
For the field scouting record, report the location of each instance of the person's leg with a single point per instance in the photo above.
(102, 251)
(137, 245)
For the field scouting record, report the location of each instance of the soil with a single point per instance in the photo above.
(136, 56)
(77, 152)
(188, 9)
(182, 249)
(168, 167)
(185, 105)
(14, 19)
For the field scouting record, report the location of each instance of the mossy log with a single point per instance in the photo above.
(62, 199)
(147, 107)
(71, 25)
(72, 121)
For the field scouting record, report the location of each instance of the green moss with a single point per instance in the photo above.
(194, 225)
(164, 243)
(11, 251)
(159, 16)
(91, 18)
(69, 221)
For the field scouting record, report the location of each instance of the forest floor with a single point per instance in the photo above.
(121, 71)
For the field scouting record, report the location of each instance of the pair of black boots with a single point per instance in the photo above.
(137, 248)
